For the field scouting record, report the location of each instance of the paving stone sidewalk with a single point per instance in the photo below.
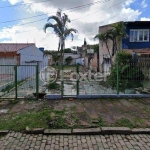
(88, 113)
(19, 141)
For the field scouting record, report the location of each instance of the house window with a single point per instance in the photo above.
(139, 35)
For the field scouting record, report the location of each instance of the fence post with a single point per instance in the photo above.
(37, 80)
(62, 82)
(117, 79)
(77, 87)
(16, 93)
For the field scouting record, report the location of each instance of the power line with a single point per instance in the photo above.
(99, 10)
(74, 19)
(24, 4)
(81, 17)
(79, 7)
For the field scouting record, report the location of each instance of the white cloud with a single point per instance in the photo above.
(145, 19)
(144, 4)
(13, 2)
(86, 20)
(129, 2)
(15, 34)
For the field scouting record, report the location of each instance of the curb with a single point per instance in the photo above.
(57, 131)
(116, 130)
(141, 131)
(4, 132)
(89, 131)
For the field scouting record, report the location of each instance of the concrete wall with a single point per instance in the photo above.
(80, 61)
(27, 55)
(94, 61)
(103, 51)
(74, 56)
(31, 53)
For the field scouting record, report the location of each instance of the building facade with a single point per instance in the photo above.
(26, 54)
(137, 40)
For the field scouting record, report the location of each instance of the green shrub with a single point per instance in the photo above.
(123, 57)
(130, 75)
(53, 86)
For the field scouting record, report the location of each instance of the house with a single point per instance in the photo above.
(137, 40)
(74, 57)
(87, 54)
(26, 54)
(20, 54)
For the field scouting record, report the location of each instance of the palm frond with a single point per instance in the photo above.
(101, 36)
(55, 18)
(57, 30)
(65, 19)
(68, 32)
(47, 25)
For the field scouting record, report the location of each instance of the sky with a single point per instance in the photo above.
(22, 21)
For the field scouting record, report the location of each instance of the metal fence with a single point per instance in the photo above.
(24, 81)
(18, 81)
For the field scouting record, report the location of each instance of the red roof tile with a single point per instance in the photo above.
(13, 47)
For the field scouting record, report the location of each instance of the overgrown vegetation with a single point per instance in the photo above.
(53, 86)
(68, 60)
(129, 74)
(123, 122)
(55, 58)
(33, 120)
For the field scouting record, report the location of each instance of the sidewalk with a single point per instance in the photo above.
(19, 141)
(132, 113)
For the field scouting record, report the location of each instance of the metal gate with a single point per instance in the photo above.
(22, 81)
(18, 81)
(69, 81)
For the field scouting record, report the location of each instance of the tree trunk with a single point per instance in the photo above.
(63, 47)
(108, 49)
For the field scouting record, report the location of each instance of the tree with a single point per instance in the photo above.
(115, 34)
(55, 58)
(68, 60)
(61, 30)
(96, 50)
(103, 38)
(67, 50)
(130, 75)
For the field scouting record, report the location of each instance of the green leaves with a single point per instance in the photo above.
(130, 75)
(61, 30)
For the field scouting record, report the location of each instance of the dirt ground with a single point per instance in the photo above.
(88, 113)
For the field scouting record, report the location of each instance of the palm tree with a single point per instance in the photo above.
(61, 30)
(103, 38)
(117, 33)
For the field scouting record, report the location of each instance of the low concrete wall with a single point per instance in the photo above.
(55, 96)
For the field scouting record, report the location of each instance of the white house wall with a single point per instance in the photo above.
(27, 55)
(30, 53)
(74, 56)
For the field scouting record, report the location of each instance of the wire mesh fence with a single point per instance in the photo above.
(28, 80)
